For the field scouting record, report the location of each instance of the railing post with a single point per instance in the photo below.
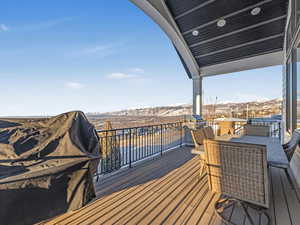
(279, 130)
(161, 139)
(181, 133)
(129, 147)
(106, 152)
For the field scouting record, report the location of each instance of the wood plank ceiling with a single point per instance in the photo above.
(252, 28)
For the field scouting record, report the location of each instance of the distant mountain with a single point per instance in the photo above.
(270, 106)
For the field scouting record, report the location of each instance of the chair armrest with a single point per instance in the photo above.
(198, 151)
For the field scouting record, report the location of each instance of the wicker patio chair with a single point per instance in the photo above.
(209, 132)
(256, 130)
(227, 128)
(198, 136)
(239, 172)
(290, 147)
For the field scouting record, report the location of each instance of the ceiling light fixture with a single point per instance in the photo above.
(221, 23)
(195, 33)
(255, 11)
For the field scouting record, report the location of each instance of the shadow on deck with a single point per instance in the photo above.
(168, 190)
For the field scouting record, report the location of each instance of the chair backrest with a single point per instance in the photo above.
(198, 136)
(257, 130)
(291, 146)
(226, 127)
(238, 170)
(209, 132)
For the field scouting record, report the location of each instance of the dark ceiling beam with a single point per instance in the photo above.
(255, 61)
(240, 46)
(194, 9)
(227, 16)
(238, 31)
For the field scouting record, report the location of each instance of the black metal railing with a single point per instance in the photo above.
(124, 147)
(275, 126)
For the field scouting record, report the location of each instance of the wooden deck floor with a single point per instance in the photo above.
(168, 190)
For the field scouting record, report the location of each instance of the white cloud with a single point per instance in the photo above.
(43, 24)
(36, 26)
(120, 76)
(137, 70)
(74, 85)
(98, 50)
(3, 27)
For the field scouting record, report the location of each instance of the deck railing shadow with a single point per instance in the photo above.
(126, 196)
(145, 172)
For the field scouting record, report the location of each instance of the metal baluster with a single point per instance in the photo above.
(279, 130)
(102, 161)
(129, 148)
(152, 145)
(106, 158)
(122, 156)
(181, 134)
(115, 147)
(138, 144)
(161, 139)
(146, 141)
(135, 145)
(126, 146)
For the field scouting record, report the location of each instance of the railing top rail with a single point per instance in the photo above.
(250, 120)
(146, 126)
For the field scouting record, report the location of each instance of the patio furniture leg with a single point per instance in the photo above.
(202, 169)
(222, 205)
(287, 175)
(247, 213)
(289, 178)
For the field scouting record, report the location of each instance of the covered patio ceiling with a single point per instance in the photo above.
(221, 36)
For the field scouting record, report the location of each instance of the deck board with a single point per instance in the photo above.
(168, 190)
(271, 210)
(292, 202)
(281, 209)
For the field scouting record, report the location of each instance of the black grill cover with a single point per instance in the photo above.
(46, 167)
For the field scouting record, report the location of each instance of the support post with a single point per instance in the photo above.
(197, 96)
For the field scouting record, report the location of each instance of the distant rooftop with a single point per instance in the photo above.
(231, 119)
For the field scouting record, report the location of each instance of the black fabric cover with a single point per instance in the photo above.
(46, 167)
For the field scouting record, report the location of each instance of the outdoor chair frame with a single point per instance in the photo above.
(290, 147)
(239, 171)
(198, 136)
(257, 130)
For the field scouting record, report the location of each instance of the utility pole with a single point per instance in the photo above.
(247, 111)
(215, 107)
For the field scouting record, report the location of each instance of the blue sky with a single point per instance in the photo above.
(99, 56)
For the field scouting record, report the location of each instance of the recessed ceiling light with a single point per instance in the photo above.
(255, 11)
(195, 33)
(221, 23)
